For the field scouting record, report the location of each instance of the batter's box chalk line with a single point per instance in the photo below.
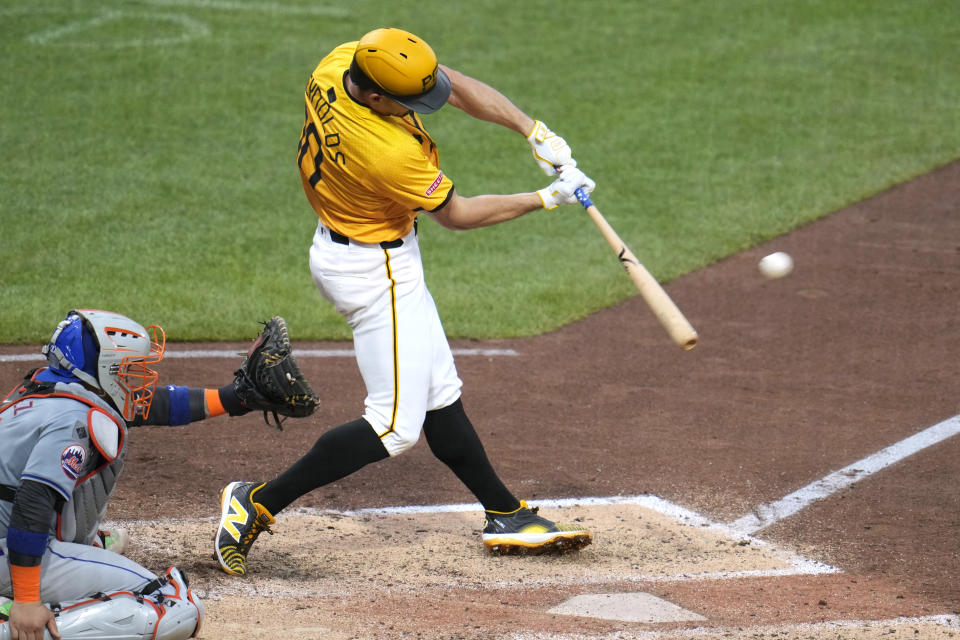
(766, 514)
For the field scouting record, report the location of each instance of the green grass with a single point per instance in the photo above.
(147, 147)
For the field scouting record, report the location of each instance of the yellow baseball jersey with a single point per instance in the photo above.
(366, 175)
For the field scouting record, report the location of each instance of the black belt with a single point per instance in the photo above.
(7, 493)
(339, 238)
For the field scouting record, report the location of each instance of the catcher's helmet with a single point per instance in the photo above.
(110, 352)
(404, 67)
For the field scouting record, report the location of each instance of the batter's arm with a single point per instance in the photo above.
(486, 103)
(483, 102)
(483, 211)
(461, 213)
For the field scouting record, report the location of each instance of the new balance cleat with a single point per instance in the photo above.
(241, 521)
(524, 532)
(115, 540)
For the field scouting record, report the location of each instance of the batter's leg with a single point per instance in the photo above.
(336, 454)
(454, 441)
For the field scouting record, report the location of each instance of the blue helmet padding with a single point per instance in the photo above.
(78, 346)
(91, 354)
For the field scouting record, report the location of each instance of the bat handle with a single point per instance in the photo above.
(582, 195)
(584, 198)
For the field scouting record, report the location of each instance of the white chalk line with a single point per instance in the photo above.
(236, 353)
(946, 621)
(314, 9)
(766, 514)
(257, 7)
(190, 28)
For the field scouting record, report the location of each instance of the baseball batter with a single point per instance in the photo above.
(64, 434)
(370, 169)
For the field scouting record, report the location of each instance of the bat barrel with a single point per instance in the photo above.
(663, 307)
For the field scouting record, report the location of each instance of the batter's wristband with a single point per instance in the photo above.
(26, 583)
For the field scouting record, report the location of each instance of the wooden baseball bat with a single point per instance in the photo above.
(653, 294)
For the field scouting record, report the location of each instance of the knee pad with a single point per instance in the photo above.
(165, 610)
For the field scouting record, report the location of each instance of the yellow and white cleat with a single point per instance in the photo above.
(524, 532)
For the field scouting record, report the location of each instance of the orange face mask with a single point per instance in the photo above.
(137, 379)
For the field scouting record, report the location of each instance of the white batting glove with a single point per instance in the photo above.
(563, 189)
(549, 150)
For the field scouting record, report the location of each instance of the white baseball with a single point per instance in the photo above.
(776, 265)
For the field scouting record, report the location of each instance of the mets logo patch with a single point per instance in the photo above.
(72, 459)
(436, 183)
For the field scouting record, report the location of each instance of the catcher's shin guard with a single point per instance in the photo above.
(169, 612)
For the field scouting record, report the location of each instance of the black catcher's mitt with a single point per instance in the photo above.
(270, 380)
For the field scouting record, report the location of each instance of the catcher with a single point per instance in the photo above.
(64, 440)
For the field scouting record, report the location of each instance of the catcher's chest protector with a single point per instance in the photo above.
(103, 441)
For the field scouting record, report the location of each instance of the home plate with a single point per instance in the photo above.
(629, 607)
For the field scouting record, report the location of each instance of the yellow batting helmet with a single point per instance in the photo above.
(404, 67)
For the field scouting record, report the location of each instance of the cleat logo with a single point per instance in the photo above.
(236, 515)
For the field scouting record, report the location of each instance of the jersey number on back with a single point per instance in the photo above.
(310, 131)
(309, 140)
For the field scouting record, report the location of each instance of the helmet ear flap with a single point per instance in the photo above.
(91, 352)
(73, 349)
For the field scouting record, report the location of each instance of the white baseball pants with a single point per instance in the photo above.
(401, 349)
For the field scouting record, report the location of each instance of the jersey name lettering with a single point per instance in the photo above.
(320, 101)
(312, 144)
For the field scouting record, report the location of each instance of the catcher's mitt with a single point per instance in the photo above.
(270, 380)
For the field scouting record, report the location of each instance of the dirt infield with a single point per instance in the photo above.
(792, 380)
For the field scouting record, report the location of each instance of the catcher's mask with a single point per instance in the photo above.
(403, 67)
(110, 352)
